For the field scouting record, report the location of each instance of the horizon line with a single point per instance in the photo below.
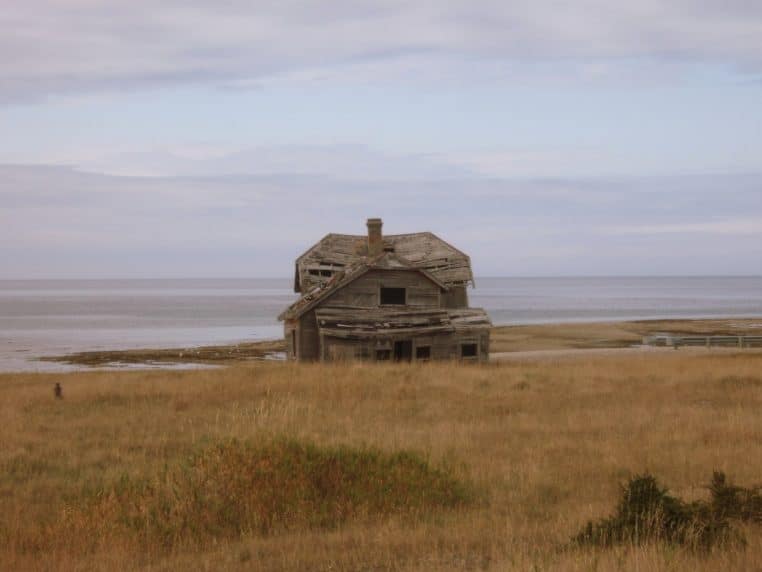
(511, 276)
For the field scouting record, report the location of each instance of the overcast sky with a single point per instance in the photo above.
(222, 138)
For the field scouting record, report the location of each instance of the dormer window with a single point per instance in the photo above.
(393, 296)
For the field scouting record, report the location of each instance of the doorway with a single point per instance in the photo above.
(403, 350)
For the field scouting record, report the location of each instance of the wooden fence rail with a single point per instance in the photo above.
(703, 341)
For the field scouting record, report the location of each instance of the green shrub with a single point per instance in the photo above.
(730, 501)
(647, 513)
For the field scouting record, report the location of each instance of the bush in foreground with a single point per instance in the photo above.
(731, 501)
(236, 488)
(647, 513)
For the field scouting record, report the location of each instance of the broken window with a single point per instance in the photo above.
(320, 272)
(392, 296)
(423, 352)
(468, 350)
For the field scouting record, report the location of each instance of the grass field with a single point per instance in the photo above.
(510, 460)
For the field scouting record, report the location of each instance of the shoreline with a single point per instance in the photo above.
(507, 342)
(218, 355)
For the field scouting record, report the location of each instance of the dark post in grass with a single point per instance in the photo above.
(58, 391)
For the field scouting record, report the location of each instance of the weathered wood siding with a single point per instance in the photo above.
(455, 297)
(308, 340)
(484, 346)
(337, 349)
(291, 332)
(442, 347)
(365, 291)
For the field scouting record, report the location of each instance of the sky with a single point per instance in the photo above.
(222, 138)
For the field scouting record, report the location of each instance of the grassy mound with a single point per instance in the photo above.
(236, 488)
(647, 513)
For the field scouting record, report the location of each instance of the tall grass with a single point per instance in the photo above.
(550, 444)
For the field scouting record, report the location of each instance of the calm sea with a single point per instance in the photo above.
(47, 317)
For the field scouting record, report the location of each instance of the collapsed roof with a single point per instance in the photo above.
(337, 253)
(321, 290)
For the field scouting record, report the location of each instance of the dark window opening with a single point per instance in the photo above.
(317, 272)
(383, 355)
(393, 296)
(388, 248)
(468, 350)
(403, 350)
(423, 352)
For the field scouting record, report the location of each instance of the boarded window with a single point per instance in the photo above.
(383, 355)
(423, 352)
(392, 296)
(468, 350)
(326, 273)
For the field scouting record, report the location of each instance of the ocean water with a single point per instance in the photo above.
(551, 300)
(49, 317)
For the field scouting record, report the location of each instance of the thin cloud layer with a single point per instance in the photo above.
(348, 162)
(63, 223)
(54, 47)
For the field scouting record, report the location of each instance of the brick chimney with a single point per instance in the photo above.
(375, 238)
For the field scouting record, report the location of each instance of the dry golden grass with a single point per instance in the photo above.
(547, 443)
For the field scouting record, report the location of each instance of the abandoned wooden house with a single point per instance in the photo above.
(400, 297)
